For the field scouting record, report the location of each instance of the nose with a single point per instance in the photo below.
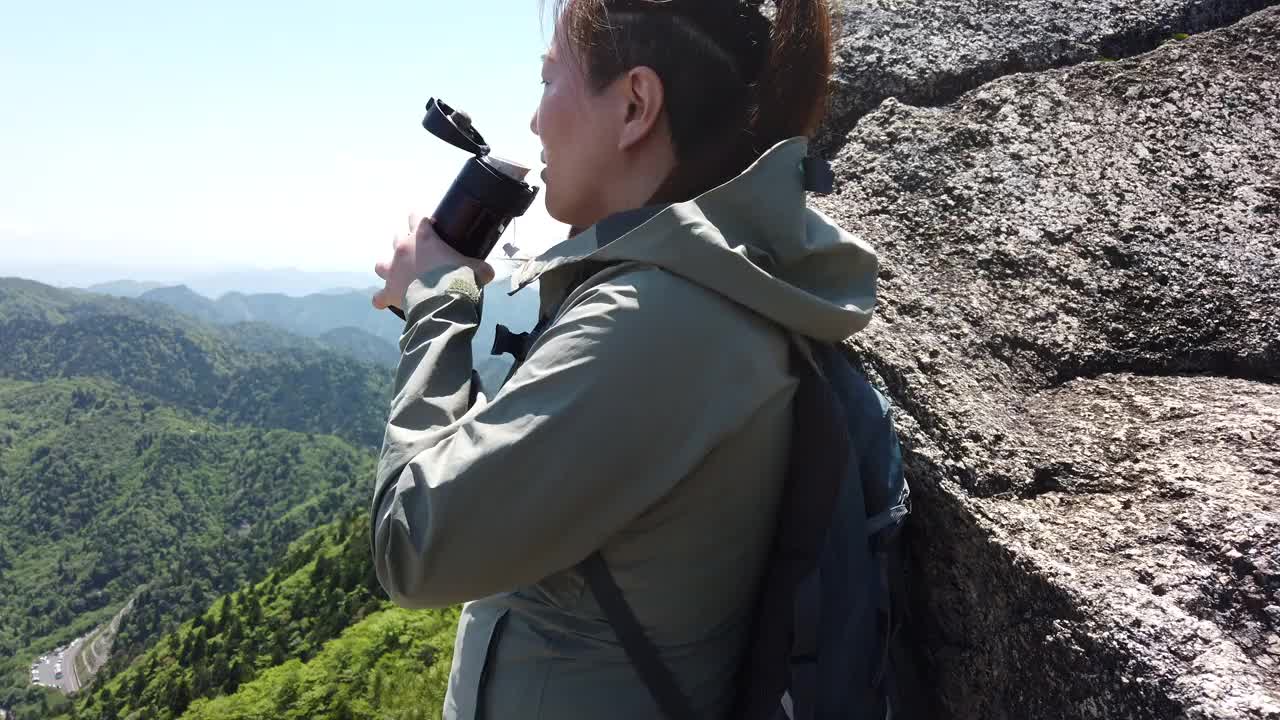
(533, 122)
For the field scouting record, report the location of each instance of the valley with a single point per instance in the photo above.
(118, 491)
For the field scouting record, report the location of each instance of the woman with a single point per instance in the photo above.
(651, 419)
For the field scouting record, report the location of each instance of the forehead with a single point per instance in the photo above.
(555, 48)
(557, 53)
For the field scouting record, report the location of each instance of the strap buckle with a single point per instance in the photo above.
(505, 341)
(818, 176)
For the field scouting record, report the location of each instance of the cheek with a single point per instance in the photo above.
(552, 119)
(576, 156)
(559, 130)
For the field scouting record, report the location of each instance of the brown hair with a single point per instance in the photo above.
(735, 81)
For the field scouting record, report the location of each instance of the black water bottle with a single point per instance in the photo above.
(486, 194)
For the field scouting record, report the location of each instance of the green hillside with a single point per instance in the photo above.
(147, 455)
(315, 639)
(361, 345)
(188, 302)
(345, 321)
(214, 371)
(124, 288)
(393, 665)
(310, 316)
(105, 491)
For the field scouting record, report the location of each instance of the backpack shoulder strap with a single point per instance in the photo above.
(782, 654)
(642, 653)
(778, 652)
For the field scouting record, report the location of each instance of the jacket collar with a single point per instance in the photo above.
(601, 241)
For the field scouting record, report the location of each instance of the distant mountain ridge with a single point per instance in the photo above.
(210, 282)
(345, 321)
(310, 315)
(246, 373)
(124, 288)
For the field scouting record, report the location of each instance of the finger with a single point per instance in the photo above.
(382, 269)
(414, 222)
(425, 229)
(484, 272)
(382, 298)
(402, 248)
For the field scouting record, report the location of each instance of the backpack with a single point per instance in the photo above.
(830, 599)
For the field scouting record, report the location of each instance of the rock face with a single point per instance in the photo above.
(1078, 324)
(928, 52)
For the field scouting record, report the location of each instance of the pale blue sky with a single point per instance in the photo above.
(268, 134)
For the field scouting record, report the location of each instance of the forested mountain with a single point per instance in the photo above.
(351, 343)
(124, 288)
(315, 639)
(361, 345)
(310, 315)
(104, 491)
(291, 384)
(191, 303)
(346, 322)
(314, 322)
(211, 283)
(145, 453)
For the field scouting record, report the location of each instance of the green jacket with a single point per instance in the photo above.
(651, 420)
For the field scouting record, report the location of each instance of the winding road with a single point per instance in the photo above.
(93, 649)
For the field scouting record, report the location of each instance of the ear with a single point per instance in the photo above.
(644, 104)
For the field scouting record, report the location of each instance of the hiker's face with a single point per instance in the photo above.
(580, 132)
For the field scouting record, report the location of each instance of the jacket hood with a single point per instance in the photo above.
(753, 240)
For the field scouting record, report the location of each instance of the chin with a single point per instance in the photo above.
(555, 212)
(569, 213)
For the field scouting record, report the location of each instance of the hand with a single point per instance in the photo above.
(414, 253)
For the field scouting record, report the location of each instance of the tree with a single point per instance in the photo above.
(198, 646)
(137, 684)
(221, 621)
(253, 611)
(181, 697)
(201, 682)
(110, 706)
(279, 647)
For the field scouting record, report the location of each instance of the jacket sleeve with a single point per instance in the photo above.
(603, 418)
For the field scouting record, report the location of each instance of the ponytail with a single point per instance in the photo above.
(792, 90)
(735, 81)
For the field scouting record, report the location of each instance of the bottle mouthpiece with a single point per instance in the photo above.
(511, 169)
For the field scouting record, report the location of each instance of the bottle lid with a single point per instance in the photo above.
(453, 127)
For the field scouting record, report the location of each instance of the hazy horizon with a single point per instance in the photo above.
(154, 138)
(211, 280)
(250, 279)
